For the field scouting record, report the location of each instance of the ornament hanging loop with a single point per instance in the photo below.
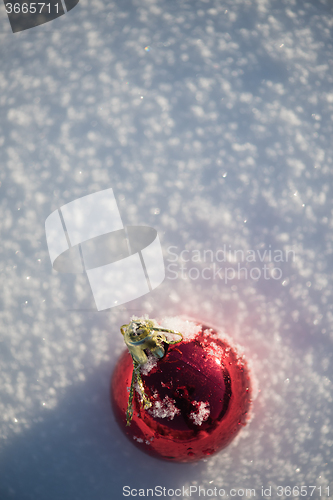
(140, 336)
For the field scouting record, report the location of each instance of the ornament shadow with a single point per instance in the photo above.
(77, 452)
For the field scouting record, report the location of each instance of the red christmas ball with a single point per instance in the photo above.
(200, 395)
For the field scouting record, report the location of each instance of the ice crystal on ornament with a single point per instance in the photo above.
(201, 414)
(149, 365)
(139, 440)
(188, 328)
(164, 409)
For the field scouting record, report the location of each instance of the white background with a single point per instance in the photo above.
(219, 133)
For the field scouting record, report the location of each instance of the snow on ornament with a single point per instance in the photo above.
(180, 392)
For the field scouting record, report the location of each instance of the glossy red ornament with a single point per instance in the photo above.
(200, 393)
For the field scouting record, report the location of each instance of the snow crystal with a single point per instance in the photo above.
(201, 413)
(139, 440)
(149, 364)
(144, 318)
(164, 409)
(189, 329)
(138, 390)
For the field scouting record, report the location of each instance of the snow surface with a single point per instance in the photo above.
(212, 122)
